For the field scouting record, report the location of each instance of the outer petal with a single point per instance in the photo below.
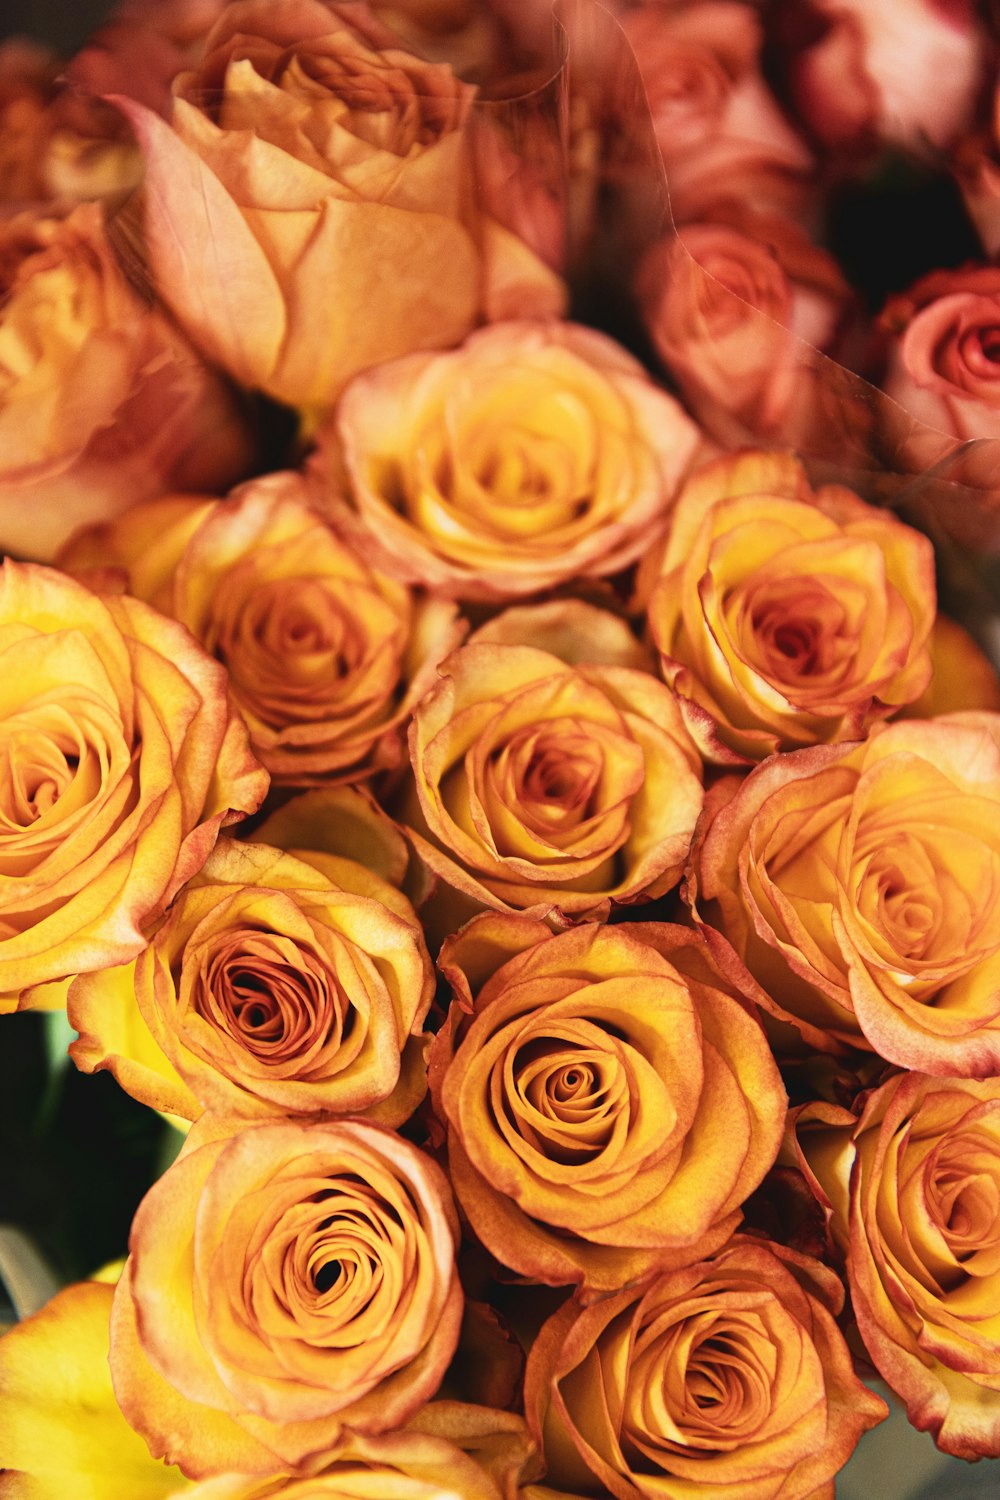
(61, 1430)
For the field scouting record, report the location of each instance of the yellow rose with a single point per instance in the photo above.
(856, 884)
(922, 1242)
(548, 787)
(534, 454)
(285, 1283)
(786, 617)
(120, 760)
(727, 1380)
(325, 655)
(579, 1147)
(300, 205)
(274, 985)
(102, 402)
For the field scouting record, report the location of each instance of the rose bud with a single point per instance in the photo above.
(578, 1148)
(785, 616)
(102, 403)
(286, 1284)
(534, 454)
(856, 884)
(726, 1379)
(121, 760)
(921, 1234)
(309, 160)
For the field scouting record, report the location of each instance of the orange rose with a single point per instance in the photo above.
(729, 1378)
(102, 403)
(274, 985)
(309, 160)
(922, 1240)
(536, 453)
(736, 309)
(577, 1147)
(121, 760)
(786, 616)
(286, 1284)
(325, 655)
(857, 884)
(549, 787)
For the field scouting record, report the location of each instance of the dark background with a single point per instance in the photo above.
(62, 23)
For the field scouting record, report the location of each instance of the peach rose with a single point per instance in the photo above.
(549, 787)
(736, 308)
(786, 616)
(102, 403)
(922, 1241)
(326, 656)
(578, 1149)
(718, 126)
(285, 1284)
(860, 74)
(729, 1378)
(856, 884)
(536, 453)
(274, 985)
(121, 759)
(302, 201)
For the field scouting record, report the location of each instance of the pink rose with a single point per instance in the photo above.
(866, 72)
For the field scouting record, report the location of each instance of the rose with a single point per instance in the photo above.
(102, 403)
(786, 616)
(57, 144)
(727, 1378)
(729, 305)
(274, 985)
(306, 155)
(922, 1238)
(941, 369)
(578, 1148)
(285, 1283)
(536, 453)
(549, 787)
(718, 127)
(942, 360)
(325, 655)
(120, 759)
(860, 74)
(856, 886)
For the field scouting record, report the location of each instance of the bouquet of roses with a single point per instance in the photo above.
(481, 751)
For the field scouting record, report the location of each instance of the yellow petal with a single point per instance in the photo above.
(61, 1432)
